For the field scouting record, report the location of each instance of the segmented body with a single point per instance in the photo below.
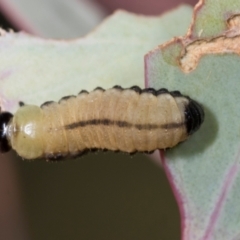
(128, 120)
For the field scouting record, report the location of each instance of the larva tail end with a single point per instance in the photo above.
(5, 117)
(194, 116)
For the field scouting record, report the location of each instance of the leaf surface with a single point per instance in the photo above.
(204, 171)
(35, 70)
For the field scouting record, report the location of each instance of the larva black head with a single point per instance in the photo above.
(5, 117)
(194, 116)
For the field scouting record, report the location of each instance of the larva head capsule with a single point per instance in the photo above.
(194, 116)
(5, 117)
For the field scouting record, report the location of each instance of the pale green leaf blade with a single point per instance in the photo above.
(35, 70)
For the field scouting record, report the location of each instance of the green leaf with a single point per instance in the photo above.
(204, 171)
(35, 70)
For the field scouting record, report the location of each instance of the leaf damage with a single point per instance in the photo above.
(229, 42)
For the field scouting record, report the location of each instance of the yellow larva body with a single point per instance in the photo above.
(114, 119)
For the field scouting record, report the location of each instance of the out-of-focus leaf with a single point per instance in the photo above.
(204, 171)
(53, 18)
(35, 70)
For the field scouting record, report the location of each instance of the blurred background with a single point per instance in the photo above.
(102, 195)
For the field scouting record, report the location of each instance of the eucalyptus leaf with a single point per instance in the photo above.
(204, 171)
(35, 70)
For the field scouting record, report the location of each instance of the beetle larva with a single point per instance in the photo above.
(128, 120)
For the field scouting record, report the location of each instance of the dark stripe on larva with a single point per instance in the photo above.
(122, 124)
